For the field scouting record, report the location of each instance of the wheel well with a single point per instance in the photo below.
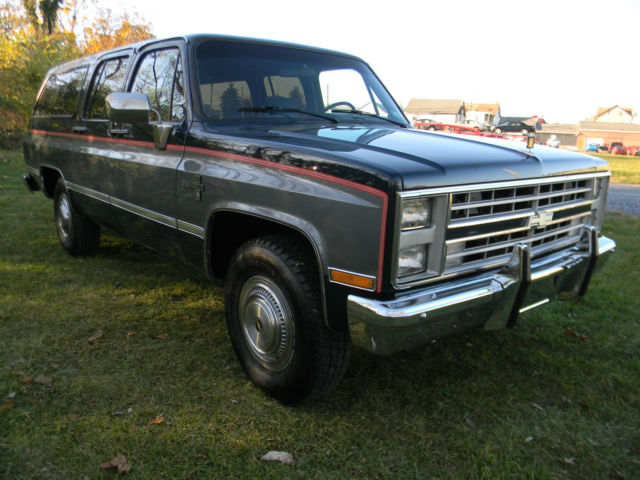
(49, 179)
(229, 230)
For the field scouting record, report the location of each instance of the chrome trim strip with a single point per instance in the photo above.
(470, 222)
(498, 185)
(490, 234)
(533, 305)
(352, 273)
(187, 227)
(88, 192)
(143, 212)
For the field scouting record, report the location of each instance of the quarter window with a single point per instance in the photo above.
(60, 95)
(160, 77)
(109, 78)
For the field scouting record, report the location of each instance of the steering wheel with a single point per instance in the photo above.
(334, 105)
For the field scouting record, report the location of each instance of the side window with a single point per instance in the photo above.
(160, 77)
(60, 94)
(338, 86)
(108, 78)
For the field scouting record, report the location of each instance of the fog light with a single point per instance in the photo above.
(412, 260)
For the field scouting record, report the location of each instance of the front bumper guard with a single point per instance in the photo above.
(493, 300)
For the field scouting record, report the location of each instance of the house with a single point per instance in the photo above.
(485, 113)
(441, 111)
(615, 114)
(603, 133)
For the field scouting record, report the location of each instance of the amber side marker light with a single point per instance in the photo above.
(351, 279)
(531, 140)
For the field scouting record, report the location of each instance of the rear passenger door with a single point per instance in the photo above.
(143, 178)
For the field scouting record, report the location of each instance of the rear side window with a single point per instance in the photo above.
(108, 78)
(60, 94)
(160, 77)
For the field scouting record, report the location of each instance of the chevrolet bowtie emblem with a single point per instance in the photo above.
(540, 219)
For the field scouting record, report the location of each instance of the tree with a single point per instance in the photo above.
(108, 31)
(36, 36)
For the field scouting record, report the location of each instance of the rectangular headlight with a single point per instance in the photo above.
(412, 260)
(416, 213)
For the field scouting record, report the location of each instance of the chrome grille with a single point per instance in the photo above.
(485, 224)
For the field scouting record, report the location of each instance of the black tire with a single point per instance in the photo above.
(78, 235)
(275, 320)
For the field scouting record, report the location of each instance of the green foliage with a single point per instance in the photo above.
(30, 45)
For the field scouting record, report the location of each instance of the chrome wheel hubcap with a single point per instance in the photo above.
(63, 217)
(267, 323)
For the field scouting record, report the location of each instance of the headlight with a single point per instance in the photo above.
(416, 213)
(421, 221)
(412, 260)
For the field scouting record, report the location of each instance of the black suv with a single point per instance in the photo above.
(291, 172)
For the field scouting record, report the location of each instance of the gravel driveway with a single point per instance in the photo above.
(624, 198)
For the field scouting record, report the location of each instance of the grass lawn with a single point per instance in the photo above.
(625, 168)
(556, 397)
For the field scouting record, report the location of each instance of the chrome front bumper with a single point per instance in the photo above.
(493, 300)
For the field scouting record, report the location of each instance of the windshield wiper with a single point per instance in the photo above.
(368, 114)
(273, 108)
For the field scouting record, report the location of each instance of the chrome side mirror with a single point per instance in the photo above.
(127, 107)
(134, 109)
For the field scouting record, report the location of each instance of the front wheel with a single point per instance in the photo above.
(78, 235)
(275, 321)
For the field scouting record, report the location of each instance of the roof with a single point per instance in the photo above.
(603, 110)
(424, 106)
(195, 38)
(606, 126)
(560, 128)
(491, 108)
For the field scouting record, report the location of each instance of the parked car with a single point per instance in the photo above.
(427, 124)
(511, 127)
(331, 224)
(476, 124)
(633, 150)
(617, 148)
(592, 148)
(603, 148)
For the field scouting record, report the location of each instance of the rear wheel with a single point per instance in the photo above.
(275, 321)
(78, 235)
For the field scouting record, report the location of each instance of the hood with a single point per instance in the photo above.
(424, 159)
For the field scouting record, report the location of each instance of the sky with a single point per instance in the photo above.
(558, 59)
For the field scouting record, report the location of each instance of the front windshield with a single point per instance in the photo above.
(246, 81)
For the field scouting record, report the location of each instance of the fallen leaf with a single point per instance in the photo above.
(570, 461)
(42, 380)
(535, 405)
(528, 440)
(99, 334)
(157, 421)
(12, 395)
(619, 474)
(119, 462)
(8, 405)
(573, 334)
(131, 334)
(54, 366)
(27, 380)
(162, 336)
(276, 456)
